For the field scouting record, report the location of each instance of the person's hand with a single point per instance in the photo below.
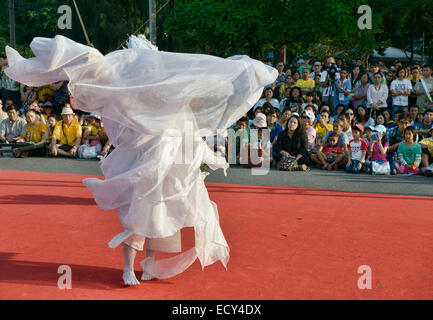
(73, 151)
(408, 166)
(359, 166)
(53, 150)
(349, 163)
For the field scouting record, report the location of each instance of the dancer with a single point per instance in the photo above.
(156, 106)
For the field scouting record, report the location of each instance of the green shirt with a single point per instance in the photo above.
(409, 155)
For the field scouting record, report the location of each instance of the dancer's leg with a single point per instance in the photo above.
(129, 254)
(149, 254)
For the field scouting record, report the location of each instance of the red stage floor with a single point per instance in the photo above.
(285, 242)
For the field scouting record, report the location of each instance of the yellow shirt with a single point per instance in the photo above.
(94, 129)
(428, 142)
(35, 134)
(46, 90)
(321, 131)
(305, 85)
(67, 135)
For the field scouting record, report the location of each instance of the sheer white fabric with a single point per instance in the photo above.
(151, 180)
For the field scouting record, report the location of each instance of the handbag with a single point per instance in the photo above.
(288, 164)
(380, 167)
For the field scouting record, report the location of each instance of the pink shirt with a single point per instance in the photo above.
(376, 154)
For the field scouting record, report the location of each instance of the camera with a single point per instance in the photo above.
(332, 71)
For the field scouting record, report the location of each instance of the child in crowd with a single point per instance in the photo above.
(331, 151)
(94, 137)
(339, 109)
(357, 150)
(51, 121)
(322, 126)
(377, 146)
(309, 102)
(409, 153)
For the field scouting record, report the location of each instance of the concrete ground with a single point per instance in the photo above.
(332, 180)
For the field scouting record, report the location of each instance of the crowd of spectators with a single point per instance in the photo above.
(335, 115)
(44, 118)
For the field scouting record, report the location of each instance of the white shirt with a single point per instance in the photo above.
(274, 103)
(398, 85)
(374, 95)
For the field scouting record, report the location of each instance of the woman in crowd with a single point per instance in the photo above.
(292, 142)
(377, 94)
(363, 117)
(273, 125)
(285, 115)
(295, 101)
(308, 117)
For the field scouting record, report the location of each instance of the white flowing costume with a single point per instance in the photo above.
(141, 93)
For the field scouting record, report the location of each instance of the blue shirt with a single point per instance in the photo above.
(275, 131)
(339, 96)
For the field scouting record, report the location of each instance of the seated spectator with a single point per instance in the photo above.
(347, 125)
(12, 127)
(413, 112)
(310, 101)
(387, 115)
(377, 145)
(269, 93)
(427, 155)
(362, 116)
(409, 153)
(357, 150)
(94, 137)
(266, 108)
(273, 125)
(331, 151)
(285, 115)
(395, 136)
(423, 128)
(257, 144)
(380, 119)
(318, 89)
(235, 136)
(339, 110)
(340, 162)
(377, 94)
(3, 115)
(308, 117)
(51, 123)
(286, 86)
(46, 93)
(280, 81)
(287, 97)
(295, 101)
(292, 142)
(67, 133)
(323, 126)
(350, 115)
(35, 132)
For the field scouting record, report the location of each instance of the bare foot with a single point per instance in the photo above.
(304, 167)
(129, 278)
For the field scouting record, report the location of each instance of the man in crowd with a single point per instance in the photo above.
(12, 127)
(423, 128)
(67, 134)
(328, 85)
(305, 84)
(10, 88)
(395, 136)
(422, 101)
(317, 67)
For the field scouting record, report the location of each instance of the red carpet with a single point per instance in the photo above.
(286, 243)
